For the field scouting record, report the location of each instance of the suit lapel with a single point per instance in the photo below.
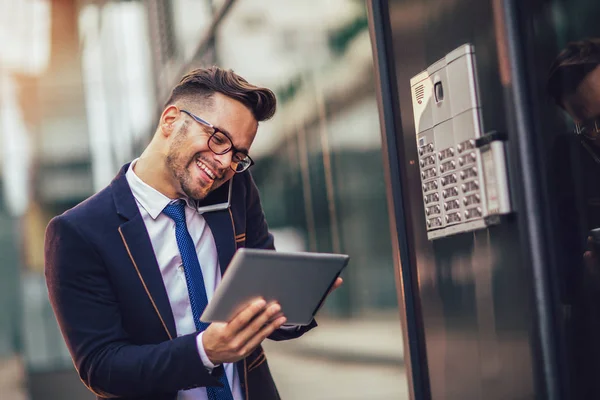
(223, 231)
(139, 247)
(221, 226)
(141, 253)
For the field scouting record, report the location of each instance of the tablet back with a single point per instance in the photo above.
(298, 281)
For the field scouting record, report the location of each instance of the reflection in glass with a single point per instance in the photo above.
(574, 84)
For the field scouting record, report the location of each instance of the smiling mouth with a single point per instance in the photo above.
(206, 169)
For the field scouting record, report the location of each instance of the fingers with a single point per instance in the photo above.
(229, 342)
(588, 258)
(241, 320)
(263, 333)
(266, 318)
(337, 284)
(240, 342)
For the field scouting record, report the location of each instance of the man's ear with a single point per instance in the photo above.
(167, 120)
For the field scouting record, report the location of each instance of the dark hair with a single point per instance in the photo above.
(205, 82)
(571, 67)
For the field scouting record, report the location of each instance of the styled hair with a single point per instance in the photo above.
(571, 67)
(202, 83)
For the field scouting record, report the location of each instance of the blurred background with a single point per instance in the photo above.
(82, 84)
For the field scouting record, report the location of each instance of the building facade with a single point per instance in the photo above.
(91, 102)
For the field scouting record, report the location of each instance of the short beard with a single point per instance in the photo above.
(180, 170)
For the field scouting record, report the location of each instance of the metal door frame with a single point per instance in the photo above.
(395, 179)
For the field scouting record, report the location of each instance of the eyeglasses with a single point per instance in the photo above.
(219, 143)
(590, 128)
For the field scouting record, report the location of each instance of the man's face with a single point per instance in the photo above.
(584, 104)
(195, 169)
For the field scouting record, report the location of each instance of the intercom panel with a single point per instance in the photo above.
(463, 170)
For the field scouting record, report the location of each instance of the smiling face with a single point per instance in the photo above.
(194, 169)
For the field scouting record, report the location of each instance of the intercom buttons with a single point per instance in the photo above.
(431, 198)
(434, 223)
(429, 186)
(428, 148)
(446, 153)
(471, 158)
(450, 192)
(467, 159)
(466, 145)
(448, 166)
(449, 179)
(471, 213)
(468, 173)
(429, 173)
(470, 186)
(432, 210)
(471, 199)
(453, 218)
(427, 161)
(451, 205)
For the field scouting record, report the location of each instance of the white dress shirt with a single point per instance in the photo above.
(161, 229)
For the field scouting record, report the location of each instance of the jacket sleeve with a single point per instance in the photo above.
(88, 314)
(566, 187)
(257, 230)
(258, 236)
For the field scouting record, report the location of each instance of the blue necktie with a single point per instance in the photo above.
(195, 284)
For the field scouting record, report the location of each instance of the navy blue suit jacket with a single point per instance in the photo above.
(111, 304)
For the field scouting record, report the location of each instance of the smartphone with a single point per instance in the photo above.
(218, 199)
(595, 235)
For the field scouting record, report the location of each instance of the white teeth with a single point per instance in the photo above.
(205, 169)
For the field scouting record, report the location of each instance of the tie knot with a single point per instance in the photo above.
(175, 211)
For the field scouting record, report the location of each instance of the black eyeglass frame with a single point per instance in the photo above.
(231, 147)
(582, 128)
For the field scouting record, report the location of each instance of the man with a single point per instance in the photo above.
(130, 270)
(574, 84)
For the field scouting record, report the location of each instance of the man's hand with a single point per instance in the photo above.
(232, 341)
(338, 282)
(590, 259)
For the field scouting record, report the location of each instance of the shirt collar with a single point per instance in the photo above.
(149, 198)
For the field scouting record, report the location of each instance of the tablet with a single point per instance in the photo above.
(299, 282)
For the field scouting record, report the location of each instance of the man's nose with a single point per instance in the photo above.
(224, 159)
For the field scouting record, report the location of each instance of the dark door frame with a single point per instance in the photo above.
(531, 187)
(404, 258)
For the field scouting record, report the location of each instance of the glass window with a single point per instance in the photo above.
(567, 60)
(320, 172)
